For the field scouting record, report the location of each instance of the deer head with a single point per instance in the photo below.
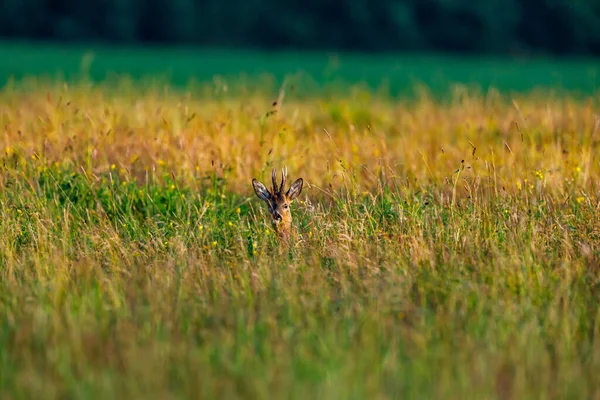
(278, 201)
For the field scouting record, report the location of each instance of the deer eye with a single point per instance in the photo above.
(285, 206)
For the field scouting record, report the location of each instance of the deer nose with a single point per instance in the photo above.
(277, 217)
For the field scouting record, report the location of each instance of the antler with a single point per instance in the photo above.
(274, 179)
(283, 178)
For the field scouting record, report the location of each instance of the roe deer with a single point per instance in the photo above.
(278, 202)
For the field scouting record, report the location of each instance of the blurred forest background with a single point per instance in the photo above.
(400, 44)
(506, 27)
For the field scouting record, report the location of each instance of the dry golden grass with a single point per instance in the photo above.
(448, 249)
(506, 143)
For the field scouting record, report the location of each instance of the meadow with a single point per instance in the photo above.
(447, 248)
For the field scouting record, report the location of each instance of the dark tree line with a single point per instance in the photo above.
(466, 26)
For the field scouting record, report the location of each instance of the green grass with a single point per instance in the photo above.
(444, 250)
(312, 72)
(110, 290)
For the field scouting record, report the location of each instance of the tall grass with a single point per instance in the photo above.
(445, 249)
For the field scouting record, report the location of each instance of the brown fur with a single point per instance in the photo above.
(279, 202)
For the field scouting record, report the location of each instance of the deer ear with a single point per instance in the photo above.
(295, 189)
(260, 190)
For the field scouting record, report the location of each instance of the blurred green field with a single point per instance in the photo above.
(314, 72)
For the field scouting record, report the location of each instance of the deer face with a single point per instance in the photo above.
(278, 201)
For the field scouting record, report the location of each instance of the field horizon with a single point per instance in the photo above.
(446, 248)
(320, 73)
